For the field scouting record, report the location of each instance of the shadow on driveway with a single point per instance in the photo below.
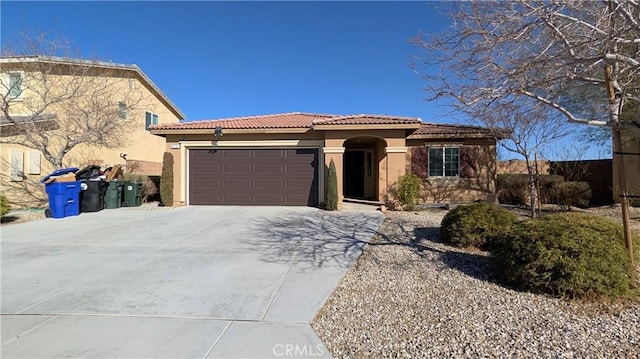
(316, 239)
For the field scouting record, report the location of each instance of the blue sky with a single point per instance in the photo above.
(224, 59)
(228, 59)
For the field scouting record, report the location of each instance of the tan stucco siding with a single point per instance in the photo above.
(138, 143)
(481, 186)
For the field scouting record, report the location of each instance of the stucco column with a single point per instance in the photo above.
(396, 164)
(336, 154)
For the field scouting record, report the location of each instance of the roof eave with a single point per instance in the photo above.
(449, 136)
(336, 127)
(211, 131)
(81, 62)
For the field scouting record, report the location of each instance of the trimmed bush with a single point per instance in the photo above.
(149, 188)
(567, 255)
(166, 180)
(577, 194)
(4, 206)
(514, 188)
(331, 201)
(408, 191)
(474, 225)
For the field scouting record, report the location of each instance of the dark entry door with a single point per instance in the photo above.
(354, 174)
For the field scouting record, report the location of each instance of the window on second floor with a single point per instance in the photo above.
(150, 119)
(122, 110)
(444, 161)
(15, 84)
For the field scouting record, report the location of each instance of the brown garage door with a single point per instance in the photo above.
(253, 177)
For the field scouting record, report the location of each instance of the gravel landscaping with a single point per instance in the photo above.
(411, 296)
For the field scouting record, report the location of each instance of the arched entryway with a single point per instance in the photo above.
(361, 167)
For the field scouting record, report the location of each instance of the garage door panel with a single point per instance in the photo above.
(269, 168)
(235, 154)
(253, 177)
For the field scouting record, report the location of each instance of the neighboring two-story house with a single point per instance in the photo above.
(64, 112)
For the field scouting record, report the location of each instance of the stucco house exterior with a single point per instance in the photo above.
(127, 97)
(282, 159)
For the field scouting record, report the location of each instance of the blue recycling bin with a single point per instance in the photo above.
(64, 198)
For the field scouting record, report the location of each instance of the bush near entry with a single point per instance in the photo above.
(473, 225)
(568, 255)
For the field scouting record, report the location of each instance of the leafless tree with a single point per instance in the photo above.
(581, 59)
(57, 104)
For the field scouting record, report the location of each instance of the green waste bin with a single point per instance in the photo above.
(113, 196)
(131, 194)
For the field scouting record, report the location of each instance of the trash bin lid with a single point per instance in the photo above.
(60, 172)
(89, 172)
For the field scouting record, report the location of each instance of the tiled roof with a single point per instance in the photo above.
(309, 120)
(287, 120)
(429, 129)
(282, 120)
(367, 120)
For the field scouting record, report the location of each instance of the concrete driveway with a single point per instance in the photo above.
(191, 282)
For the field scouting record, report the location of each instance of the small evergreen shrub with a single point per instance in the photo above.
(513, 188)
(331, 200)
(408, 190)
(568, 255)
(166, 180)
(149, 188)
(577, 194)
(474, 225)
(4, 206)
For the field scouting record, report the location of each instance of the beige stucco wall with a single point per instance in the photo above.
(461, 190)
(392, 156)
(139, 144)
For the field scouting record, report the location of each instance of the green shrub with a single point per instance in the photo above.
(514, 188)
(4, 206)
(568, 255)
(166, 180)
(474, 225)
(149, 188)
(408, 190)
(331, 201)
(576, 194)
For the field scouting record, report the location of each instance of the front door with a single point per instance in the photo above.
(354, 174)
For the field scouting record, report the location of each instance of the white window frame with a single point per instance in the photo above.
(34, 163)
(16, 169)
(123, 110)
(442, 147)
(20, 88)
(154, 116)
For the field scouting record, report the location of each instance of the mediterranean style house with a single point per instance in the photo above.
(282, 159)
(65, 112)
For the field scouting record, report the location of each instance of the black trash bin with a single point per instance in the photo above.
(89, 172)
(92, 196)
